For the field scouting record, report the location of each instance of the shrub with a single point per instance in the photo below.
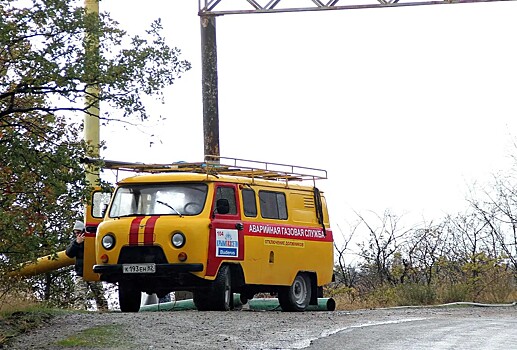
(415, 294)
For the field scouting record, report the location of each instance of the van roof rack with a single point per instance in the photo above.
(217, 165)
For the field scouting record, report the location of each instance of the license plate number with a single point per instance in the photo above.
(138, 268)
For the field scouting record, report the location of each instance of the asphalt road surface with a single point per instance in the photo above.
(437, 332)
(435, 328)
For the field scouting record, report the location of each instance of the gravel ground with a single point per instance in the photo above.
(247, 330)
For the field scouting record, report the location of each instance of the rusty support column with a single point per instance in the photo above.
(209, 88)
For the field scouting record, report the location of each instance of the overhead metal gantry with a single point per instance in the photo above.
(210, 9)
(231, 7)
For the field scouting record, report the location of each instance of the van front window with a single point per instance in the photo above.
(164, 199)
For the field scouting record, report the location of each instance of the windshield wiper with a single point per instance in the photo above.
(171, 207)
(128, 215)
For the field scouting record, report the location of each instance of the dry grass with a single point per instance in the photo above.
(389, 296)
(17, 301)
(19, 312)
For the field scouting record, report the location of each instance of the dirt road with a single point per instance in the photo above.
(249, 330)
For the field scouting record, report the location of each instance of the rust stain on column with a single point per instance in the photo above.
(209, 86)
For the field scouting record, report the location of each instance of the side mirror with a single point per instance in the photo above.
(91, 229)
(222, 206)
(99, 204)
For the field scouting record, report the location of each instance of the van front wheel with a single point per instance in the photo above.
(128, 297)
(219, 296)
(222, 288)
(297, 296)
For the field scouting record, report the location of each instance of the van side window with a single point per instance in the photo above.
(229, 194)
(273, 205)
(249, 202)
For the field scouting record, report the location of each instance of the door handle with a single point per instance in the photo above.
(239, 226)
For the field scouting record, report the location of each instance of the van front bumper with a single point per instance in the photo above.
(164, 279)
(161, 269)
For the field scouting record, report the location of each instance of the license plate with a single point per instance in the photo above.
(138, 268)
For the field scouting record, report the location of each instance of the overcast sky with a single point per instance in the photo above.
(405, 107)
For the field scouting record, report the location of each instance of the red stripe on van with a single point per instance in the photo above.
(133, 230)
(149, 230)
(305, 233)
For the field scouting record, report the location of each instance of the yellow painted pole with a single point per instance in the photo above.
(44, 264)
(91, 117)
(91, 135)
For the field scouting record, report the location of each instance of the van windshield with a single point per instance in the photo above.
(164, 199)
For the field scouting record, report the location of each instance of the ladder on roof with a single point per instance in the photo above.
(217, 165)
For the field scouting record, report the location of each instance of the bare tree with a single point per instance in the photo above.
(384, 241)
(499, 213)
(346, 273)
(424, 247)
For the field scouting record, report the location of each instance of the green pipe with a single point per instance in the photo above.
(272, 304)
(187, 304)
(265, 304)
(324, 304)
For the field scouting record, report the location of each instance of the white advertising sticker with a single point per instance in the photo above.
(226, 243)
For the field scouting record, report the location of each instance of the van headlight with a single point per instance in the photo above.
(108, 241)
(178, 240)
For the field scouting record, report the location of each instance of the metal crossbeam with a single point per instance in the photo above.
(230, 7)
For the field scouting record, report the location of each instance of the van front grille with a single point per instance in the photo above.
(143, 254)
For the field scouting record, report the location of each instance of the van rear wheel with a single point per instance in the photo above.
(128, 297)
(297, 296)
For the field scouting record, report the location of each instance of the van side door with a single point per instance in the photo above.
(226, 240)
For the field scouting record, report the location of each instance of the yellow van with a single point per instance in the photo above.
(216, 228)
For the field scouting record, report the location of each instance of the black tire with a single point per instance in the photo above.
(245, 297)
(201, 300)
(298, 296)
(128, 297)
(219, 296)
